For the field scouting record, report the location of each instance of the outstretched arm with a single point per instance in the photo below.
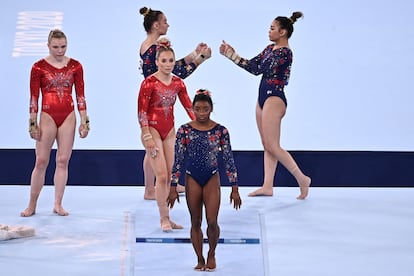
(253, 65)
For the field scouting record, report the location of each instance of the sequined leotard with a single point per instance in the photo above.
(56, 86)
(156, 103)
(148, 66)
(197, 152)
(274, 65)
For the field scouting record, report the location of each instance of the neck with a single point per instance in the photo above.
(56, 60)
(282, 42)
(205, 125)
(153, 37)
(163, 76)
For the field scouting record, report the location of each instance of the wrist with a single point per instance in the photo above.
(85, 122)
(200, 58)
(146, 137)
(193, 55)
(32, 124)
(232, 55)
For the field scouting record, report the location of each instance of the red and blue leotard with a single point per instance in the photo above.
(197, 152)
(274, 65)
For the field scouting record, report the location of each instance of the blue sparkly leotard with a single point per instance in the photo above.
(148, 66)
(197, 152)
(274, 65)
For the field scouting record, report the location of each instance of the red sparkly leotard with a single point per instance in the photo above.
(56, 86)
(156, 103)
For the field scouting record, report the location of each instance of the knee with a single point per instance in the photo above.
(62, 161)
(161, 178)
(212, 224)
(41, 163)
(270, 147)
(196, 223)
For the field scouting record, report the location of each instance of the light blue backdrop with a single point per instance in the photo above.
(350, 87)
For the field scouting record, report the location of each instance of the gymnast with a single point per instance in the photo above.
(155, 25)
(156, 99)
(199, 145)
(54, 76)
(274, 64)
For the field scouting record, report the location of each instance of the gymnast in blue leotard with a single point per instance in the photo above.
(198, 147)
(274, 64)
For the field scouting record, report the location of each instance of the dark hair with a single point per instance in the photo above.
(150, 16)
(203, 95)
(286, 23)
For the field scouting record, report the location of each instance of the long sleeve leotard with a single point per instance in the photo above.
(197, 152)
(274, 65)
(156, 103)
(56, 87)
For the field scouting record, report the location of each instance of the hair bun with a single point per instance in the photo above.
(164, 42)
(204, 92)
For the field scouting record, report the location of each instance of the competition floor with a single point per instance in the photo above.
(114, 231)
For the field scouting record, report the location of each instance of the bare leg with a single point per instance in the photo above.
(269, 161)
(273, 112)
(43, 148)
(194, 197)
(65, 138)
(162, 165)
(211, 198)
(149, 178)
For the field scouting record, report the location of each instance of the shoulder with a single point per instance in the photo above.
(148, 82)
(222, 128)
(178, 81)
(74, 63)
(147, 48)
(184, 128)
(39, 63)
(284, 51)
(175, 78)
(150, 79)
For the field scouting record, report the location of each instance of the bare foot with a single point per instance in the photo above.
(28, 212)
(304, 187)
(149, 196)
(60, 211)
(201, 265)
(175, 225)
(166, 224)
(262, 192)
(180, 188)
(211, 263)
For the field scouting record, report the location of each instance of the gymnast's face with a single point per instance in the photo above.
(165, 61)
(275, 32)
(57, 47)
(202, 110)
(162, 25)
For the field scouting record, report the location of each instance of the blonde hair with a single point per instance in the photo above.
(56, 33)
